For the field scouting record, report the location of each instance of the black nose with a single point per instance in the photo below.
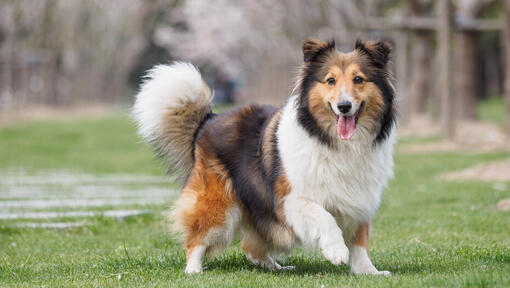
(344, 106)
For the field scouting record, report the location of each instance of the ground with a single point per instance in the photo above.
(104, 193)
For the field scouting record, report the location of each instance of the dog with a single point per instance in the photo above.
(309, 173)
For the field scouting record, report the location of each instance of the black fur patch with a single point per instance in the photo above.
(235, 137)
(313, 48)
(379, 55)
(388, 117)
(312, 74)
(208, 116)
(310, 124)
(378, 52)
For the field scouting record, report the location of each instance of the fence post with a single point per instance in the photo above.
(446, 109)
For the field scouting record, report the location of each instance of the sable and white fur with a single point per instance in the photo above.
(277, 176)
(172, 101)
(351, 181)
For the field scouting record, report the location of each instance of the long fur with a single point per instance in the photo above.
(278, 176)
(170, 107)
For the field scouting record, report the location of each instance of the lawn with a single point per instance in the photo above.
(427, 232)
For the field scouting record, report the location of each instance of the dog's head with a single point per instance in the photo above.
(346, 95)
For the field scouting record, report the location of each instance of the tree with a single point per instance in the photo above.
(84, 50)
(258, 41)
(466, 59)
(507, 61)
(421, 60)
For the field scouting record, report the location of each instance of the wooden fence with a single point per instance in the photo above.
(443, 26)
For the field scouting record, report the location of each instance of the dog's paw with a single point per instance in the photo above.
(375, 273)
(337, 254)
(370, 271)
(193, 269)
(269, 263)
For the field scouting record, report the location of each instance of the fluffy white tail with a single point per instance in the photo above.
(172, 103)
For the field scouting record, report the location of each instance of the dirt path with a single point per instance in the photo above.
(495, 171)
(471, 137)
(14, 116)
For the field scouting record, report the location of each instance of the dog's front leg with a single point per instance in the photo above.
(360, 259)
(313, 225)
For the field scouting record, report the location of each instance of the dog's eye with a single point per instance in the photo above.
(331, 81)
(357, 80)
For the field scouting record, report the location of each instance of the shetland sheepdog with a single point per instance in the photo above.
(309, 173)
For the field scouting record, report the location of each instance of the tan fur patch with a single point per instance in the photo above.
(318, 101)
(174, 138)
(282, 233)
(268, 151)
(374, 105)
(252, 244)
(204, 201)
(282, 186)
(362, 236)
(343, 68)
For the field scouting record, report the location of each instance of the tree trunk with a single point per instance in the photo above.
(447, 112)
(466, 73)
(402, 72)
(466, 59)
(421, 71)
(507, 62)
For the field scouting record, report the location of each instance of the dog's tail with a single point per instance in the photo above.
(172, 103)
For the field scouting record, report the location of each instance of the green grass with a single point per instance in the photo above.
(99, 145)
(428, 233)
(492, 110)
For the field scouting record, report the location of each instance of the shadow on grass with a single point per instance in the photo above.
(453, 261)
(234, 261)
(302, 266)
(229, 262)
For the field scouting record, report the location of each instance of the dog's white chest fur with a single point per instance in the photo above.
(348, 181)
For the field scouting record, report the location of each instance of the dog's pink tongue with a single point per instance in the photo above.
(346, 127)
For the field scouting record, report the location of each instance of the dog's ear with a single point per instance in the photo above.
(379, 52)
(314, 47)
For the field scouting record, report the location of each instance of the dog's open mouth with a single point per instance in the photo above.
(347, 124)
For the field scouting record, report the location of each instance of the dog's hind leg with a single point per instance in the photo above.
(206, 213)
(186, 221)
(210, 241)
(194, 259)
(257, 249)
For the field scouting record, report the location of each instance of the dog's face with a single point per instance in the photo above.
(345, 95)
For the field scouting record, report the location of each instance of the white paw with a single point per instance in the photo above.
(371, 271)
(337, 254)
(193, 269)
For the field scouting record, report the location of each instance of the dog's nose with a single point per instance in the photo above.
(344, 107)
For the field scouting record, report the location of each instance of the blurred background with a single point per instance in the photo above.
(60, 55)
(81, 198)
